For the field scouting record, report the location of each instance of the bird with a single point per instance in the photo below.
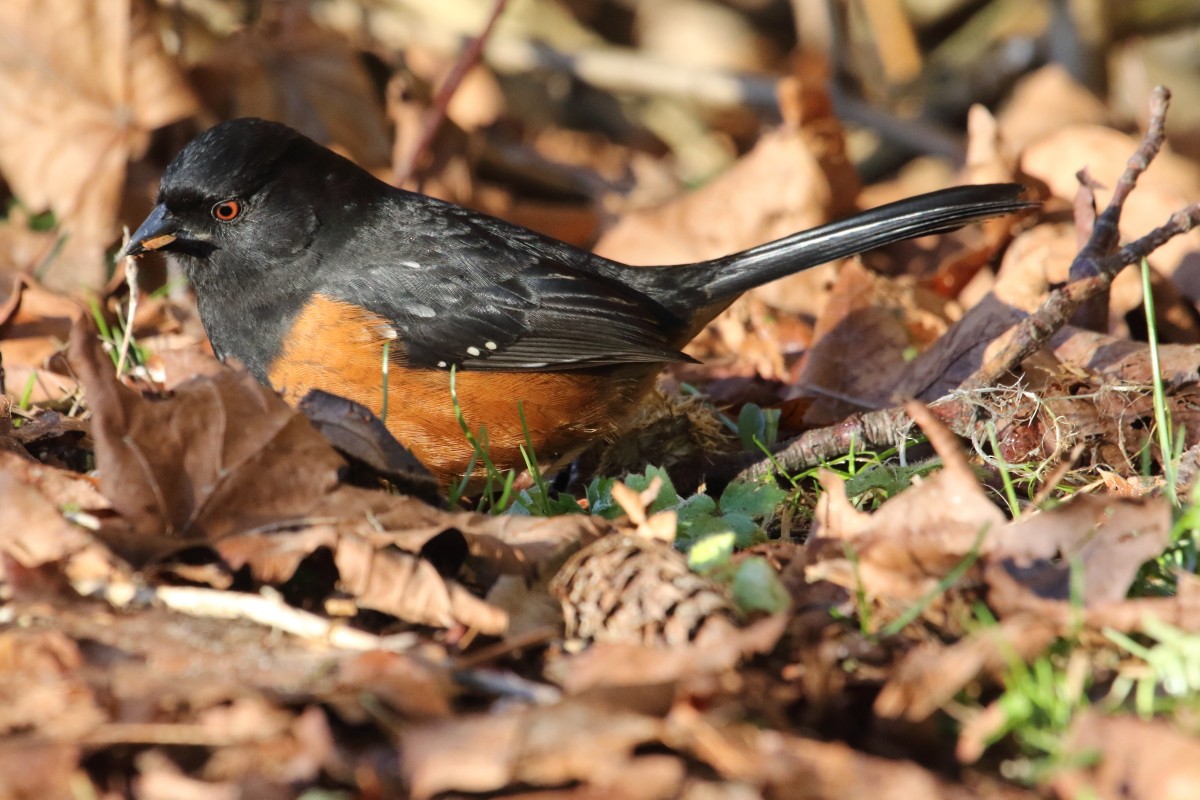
(314, 274)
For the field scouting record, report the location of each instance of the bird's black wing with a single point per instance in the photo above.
(466, 290)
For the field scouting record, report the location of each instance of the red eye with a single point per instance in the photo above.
(227, 210)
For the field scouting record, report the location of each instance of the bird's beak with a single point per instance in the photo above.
(159, 230)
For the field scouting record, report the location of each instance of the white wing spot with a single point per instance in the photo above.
(442, 364)
(472, 351)
(490, 345)
(410, 264)
(390, 333)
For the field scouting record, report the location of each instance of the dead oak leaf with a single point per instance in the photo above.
(222, 454)
(902, 551)
(411, 588)
(1110, 537)
(294, 71)
(44, 688)
(909, 544)
(1137, 759)
(82, 85)
(931, 674)
(549, 746)
(32, 530)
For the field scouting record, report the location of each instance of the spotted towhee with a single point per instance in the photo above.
(306, 267)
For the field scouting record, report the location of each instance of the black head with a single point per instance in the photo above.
(247, 194)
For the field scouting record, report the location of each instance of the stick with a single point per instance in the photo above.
(131, 279)
(263, 610)
(441, 102)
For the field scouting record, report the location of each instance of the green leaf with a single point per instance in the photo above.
(711, 552)
(599, 497)
(756, 587)
(667, 498)
(705, 526)
(756, 500)
(749, 532)
(530, 503)
(756, 423)
(695, 507)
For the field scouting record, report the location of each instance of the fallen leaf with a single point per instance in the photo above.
(43, 689)
(930, 675)
(544, 747)
(288, 69)
(217, 457)
(860, 343)
(834, 771)
(1109, 537)
(33, 530)
(916, 538)
(1048, 100)
(82, 85)
(410, 587)
(409, 685)
(59, 486)
(644, 676)
(1137, 760)
(43, 770)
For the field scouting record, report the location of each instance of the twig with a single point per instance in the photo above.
(131, 279)
(441, 102)
(264, 610)
(1095, 269)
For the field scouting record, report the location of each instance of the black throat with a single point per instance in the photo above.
(251, 323)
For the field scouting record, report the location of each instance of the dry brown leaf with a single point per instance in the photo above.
(22, 248)
(930, 675)
(1110, 537)
(82, 86)
(1008, 595)
(379, 567)
(778, 188)
(59, 486)
(1046, 101)
(223, 454)
(1028, 266)
(860, 341)
(627, 674)
(409, 685)
(528, 547)
(33, 530)
(1138, 760)
(411, 588)
(34, 325)
(295, 72)
(783, 765)
(43, 689)
(43, 770)
(160, 778)
(267, 743)
(541, 746)
(915, 538)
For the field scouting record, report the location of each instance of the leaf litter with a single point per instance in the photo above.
(208, 593)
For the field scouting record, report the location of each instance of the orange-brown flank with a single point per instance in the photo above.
(338, 347)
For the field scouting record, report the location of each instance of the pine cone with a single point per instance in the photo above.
(633, 589)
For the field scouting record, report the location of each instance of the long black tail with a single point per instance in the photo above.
(935, 212)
